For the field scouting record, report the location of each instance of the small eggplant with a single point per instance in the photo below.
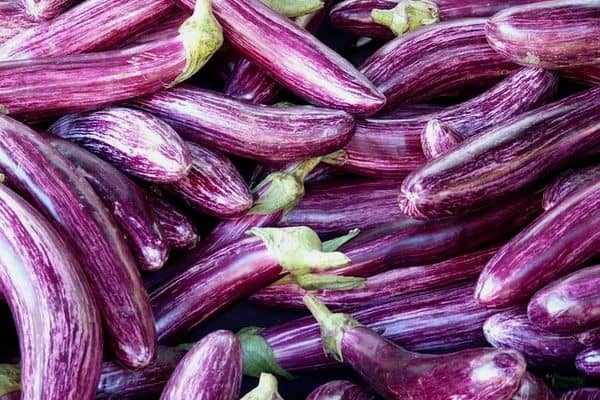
(266, 389)
(568, 183)
(588, 362)
(340, 390)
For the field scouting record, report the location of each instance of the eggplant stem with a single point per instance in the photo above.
(407, 16)
(294, 8)
(10, 378)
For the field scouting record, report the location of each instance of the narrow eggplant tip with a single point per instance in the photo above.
(154, 257)
(438, 138)
(370, 103)
(407, 201)
(10, 378)
(138, 357)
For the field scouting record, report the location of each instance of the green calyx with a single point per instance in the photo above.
(334, 244)
(294, 8)
(201, 36)
(258, 355)
(328, 282)
(333, 326)
(10, 378)
(266, 389)
(339, 157)
(407, 16)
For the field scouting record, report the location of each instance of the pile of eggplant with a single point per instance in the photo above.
(417, 202)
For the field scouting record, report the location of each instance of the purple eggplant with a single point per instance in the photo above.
(412, 110)
(211, 370)
(267, 389)
(10, 388)
(169, 26)
(438, 138)
(45, 9)
(214, 185)
(534, 258)
(50, 86)
(294, 57)
(126, 202)
(568, 183)
(588, 362)
(89, 26)
(505, 159)
(435, 60)
(582, 394)
(392, 147)
(589, 74)
(399, 374)
(340, 390)
(533, 388)
(239, 128)
(13, 20)
(548, 34)
(380, 288)
(177, 228)
(39, 172)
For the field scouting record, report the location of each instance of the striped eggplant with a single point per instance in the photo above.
(533, 388)
(45, 9)
(213, 185)
(399, 374)
(589, 74)
(442, 321)
(588, 362)
(340, 390)
(294, 57)
(438, 138)
(13, 20)
(569, 183)
(412, 110)
(39, 172)
(169, 26)
(211, 370)
(435, 60)
(50, 86)
(135, 142)
(582, 394)
(52, 305)
(126, 202)
(177, 228)
(392, 147)
(89, 26)
(533, 258)
(548, 34)
(505, 159)
(239, 128)
(267, 389)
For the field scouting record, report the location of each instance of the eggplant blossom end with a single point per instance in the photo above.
(258, 355)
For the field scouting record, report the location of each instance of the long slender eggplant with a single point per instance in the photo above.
(126, 202)
(569, 183)
(582, 394)
(38, 171)
(549, 34)
(392, 147)
(505, 159)
(383, 287)
(213, 185)
(89, 26)
(534, 258)
(438, 138)
(399, 374)
(294, 57)
(267, 389)
(588, 362)
(59, 326)
(51, 86)
(435, 60)
(45, 9)
(13, 20)
(533, 388)
(177, 228)
(340, 390)
(239, 128)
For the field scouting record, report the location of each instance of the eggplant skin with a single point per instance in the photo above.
(582, 394)
(533, 388)
(212, 369)
(588, 362)
(340, 390)
(568, 183)
(177, 228)
(52, 305)
(45, 9)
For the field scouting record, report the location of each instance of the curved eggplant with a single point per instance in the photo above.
(588, 362)
(582, 394)
(340, 390)
(59, 326)
(266, 389)
(569, 183)
(177, 228)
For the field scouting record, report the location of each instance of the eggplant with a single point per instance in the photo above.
(51, 183)
(239, 128)
(568, 183)
(588, 362)
(340, 390)
(177, 228)
(412, 110)
(383, 287)
(126, 202)
(399, 374)
(211, 370)
(438, 138)
(45, 9)
(294, 57)
(392, 147)
(582, 394)
(13, 20)
(89, 26)
(533, 388)
(549, 34)
(43, 87)
(435, 60)
(506, 159)
(533, 258)
(589, 74)
(213, 185)
(266, 389)
(57, 319)
(440, 321)
(169, 26)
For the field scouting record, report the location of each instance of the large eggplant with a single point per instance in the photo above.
(548, 34)
(340, 390)
(267, 389)
(59, 325)
(568, 183)
(588, 361)
(399, 374)
(177, 228)
(534, 258)
(38, 171)
(582, 394)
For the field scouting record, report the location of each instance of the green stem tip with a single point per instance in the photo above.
(258, 355)
(294, 8)
(10, 378)
(267, 389)
(329, 282)
(407, 16)
(336, 243)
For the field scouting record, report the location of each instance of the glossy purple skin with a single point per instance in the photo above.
(551, 34)
(294, 57)
(177, 228)
(544, 350)
(211, 370)
(505, 159)
(589, 74)
(383, 287)
(60, 333)
(534, 257)
(45, 9)
(533, 388)
(13, 20)
(438, 138)
(51, 183)
(340, 390)
(239, 128)
(392, 147)
(89, 26)
(126, 202)
(435, 60)
(569, 183)
(588, 362)
(136, 142)
(213, 186)
(582, 394)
